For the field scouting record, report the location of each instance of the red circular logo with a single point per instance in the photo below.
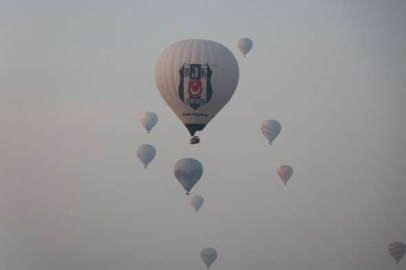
(195, 88)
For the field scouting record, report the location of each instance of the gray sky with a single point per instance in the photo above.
(75, 75)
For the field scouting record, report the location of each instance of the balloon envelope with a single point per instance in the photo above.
(245, 45)
(397, 250)
(208, 255)
(285, 172)
(196, 78)
(146, 154)
(188, 171)
(148, 120)
(196, 201)
(271, 129)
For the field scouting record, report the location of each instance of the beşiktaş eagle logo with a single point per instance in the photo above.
(195, 85)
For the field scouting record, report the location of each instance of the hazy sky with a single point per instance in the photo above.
(75, 75)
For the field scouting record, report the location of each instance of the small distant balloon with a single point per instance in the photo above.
(271, 129)
(208, 255)
(148, 120)
(285, 172)
(245, 45)
(196, 201)
(397, 250)
(146, 154)
(188, 171)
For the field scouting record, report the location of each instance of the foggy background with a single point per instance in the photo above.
(75, 75)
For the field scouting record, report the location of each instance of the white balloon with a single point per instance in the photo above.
(196, 201)
(271, 129)
(188, 171)
(245, 45)
(196, 78)
(146, 154)
(148, 120)
(208, 255)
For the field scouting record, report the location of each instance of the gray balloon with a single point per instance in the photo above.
(146, 154)
(271, 129)
(188, 171)
(397, 250)
(196, 201)
(148, 120)
(208, 255)
(245, 45)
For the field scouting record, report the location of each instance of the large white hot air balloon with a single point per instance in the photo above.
(271, 129)
(285, 172)
(208, 255)
(245, 45)
(146, 154)
(148, 120)
(188, 171)
(196, 201)
(196, 78)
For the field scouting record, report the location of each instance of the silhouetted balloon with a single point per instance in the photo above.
(188, 171)
(148, 120)
(196, 201)
(397, 250)
(245, 45)
(146, 153)
(208, 255)
(285, 172)
(196, 78)
(271, 129)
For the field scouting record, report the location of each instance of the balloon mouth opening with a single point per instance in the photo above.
(194, 127)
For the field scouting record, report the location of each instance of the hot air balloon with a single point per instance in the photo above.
(271, 129)
(208, 255)
(196, 78)
(146, 154)
(285, 173)
(245, 45)
(148, 120)
(188, 171)
(397, 250)
(196, 201)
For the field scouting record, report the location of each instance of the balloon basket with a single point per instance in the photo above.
(194, 140)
